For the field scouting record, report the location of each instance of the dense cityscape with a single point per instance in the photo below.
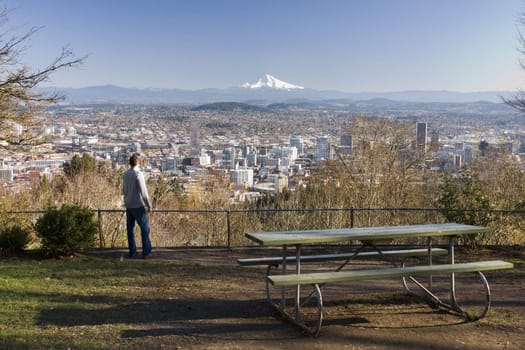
(257, 150)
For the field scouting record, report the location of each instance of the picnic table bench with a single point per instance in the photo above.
(277, 260)
(310, 318)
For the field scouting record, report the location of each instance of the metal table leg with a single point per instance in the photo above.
(283, 291)
(298, 287)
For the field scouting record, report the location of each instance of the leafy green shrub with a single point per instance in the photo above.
(66, 230)
(14, 238)
(463, 200)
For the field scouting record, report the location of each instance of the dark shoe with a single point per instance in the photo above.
(133, 255)
(149, 256)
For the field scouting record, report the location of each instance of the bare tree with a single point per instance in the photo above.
(518, 100)
(19, 100)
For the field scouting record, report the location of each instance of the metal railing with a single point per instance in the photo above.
(226, 227)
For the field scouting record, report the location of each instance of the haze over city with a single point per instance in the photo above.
(354, 46)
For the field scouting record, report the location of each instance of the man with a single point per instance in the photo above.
(136, 198)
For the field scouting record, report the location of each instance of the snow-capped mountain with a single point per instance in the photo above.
(272, 82)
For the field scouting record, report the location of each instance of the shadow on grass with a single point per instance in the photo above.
(155, 311)
(203, 317)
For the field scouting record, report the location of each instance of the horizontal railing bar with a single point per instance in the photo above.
(496, 211)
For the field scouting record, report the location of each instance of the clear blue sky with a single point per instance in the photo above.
(347, 45)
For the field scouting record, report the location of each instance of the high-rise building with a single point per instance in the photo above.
(297, 142)
(468, 154)
(458, 161)
(204, 159)
(251, 159)
(168, 164)
(290, 153)
(434, 141)
(323, 148)
(277, 151)
(122, 157)
(245, 150)
(241, 177)
(421, 136)
(345, 144)
(346, 140)
(195, 148)
(228, 157)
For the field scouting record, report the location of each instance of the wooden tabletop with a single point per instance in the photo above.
(280, 238)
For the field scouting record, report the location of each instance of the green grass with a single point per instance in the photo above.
(97, 303)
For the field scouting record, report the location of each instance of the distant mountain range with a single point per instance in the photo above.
(266, 91)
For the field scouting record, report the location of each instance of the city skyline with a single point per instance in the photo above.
(352, 46)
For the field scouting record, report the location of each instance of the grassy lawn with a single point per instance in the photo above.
(91, 302)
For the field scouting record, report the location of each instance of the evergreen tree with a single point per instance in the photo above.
(79, 165)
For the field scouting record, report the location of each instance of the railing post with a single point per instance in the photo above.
(99, 218)
(352, 217)
(229, 228)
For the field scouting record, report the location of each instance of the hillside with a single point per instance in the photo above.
(229, 107)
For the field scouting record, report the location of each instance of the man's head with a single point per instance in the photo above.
(133, 160)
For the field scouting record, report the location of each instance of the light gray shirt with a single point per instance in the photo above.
(134, 189)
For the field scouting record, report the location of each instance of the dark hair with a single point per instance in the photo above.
(133, 160)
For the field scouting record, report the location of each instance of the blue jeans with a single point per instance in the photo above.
(140, 216)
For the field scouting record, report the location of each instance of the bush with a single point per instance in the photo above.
(464, 201)
(14, 239)
(67, 230)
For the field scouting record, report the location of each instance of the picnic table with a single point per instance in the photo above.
(372, 242)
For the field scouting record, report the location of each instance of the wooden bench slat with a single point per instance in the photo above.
(342, 256)
(355, 275)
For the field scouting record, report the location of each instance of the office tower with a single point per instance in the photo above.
(245, 150)
(468, 155)
(289, 152)
(168, 164)
(458, 161)
(297, 142)
(241, 177)
(194, 139)
(421, 136)
(345, 144)
(323, 148)
(228, 157)
(277, 151)
(434, 141)
(122, 157)
(195, 148)
(483, 148)
(251, 159)
(204, 159)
